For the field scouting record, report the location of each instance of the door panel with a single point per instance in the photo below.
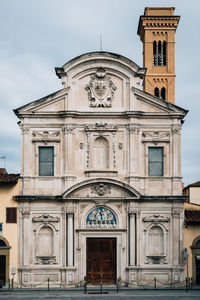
(197, 271)
(101, 260)
(2, 269)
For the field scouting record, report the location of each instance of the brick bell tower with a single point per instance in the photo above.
(157, 29)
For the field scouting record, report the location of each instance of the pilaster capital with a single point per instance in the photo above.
(68, 128)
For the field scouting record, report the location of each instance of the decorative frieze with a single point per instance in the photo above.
(155, 219)
(46, 218)
(155, 135)
(46, 136)
(101, 127)
(156, 259)
(45, 260)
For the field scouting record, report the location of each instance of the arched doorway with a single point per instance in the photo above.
(196, 260)
(4, 260)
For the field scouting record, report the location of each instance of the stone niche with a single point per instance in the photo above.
(45, 229)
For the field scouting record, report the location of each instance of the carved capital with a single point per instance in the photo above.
(68, 128)
(176, 129)
(24, 128)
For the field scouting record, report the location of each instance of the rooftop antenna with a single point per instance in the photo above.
(4, 159)
(101, 41)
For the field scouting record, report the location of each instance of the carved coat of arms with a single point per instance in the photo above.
(100, 89)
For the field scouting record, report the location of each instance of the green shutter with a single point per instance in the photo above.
(46, 161)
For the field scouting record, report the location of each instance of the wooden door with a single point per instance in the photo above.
(2, 269)
(101, 260)
(197, 270)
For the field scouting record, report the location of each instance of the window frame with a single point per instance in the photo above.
(159, 53)
(52, 161)
(156, 162)
(11, 215)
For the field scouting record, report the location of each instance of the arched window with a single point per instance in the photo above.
(197, 244)
(159, 53)
(101, 153)
(2, 243)
(163, 93)
(155, 58)
(164, 53)
(45, 242)
(156, 92)
(156, 241)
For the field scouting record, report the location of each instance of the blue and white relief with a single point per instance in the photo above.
(101, 218)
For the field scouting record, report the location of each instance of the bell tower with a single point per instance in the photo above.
(157, 29)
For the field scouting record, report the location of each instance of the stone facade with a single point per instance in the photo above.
(100, 128)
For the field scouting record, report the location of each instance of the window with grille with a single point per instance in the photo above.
(159, 53)
(46, 161)
(11, 215)
(155, 161)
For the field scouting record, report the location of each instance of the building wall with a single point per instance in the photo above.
(10, 230)
(191, 231)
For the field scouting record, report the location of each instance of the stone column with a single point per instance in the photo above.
(176, 133)
(26, 149)
(176, 238)
(132, 238)
(70, 237)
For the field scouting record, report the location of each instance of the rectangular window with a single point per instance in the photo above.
(11, 215)
(155, 161)
(46, 161)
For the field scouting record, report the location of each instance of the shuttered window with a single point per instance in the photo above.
(46, 161)
(11, 215)
(155, 161)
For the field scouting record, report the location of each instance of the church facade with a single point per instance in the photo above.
(101, 175)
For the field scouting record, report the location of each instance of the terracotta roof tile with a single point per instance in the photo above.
(194, 184)
(8, 178)
(192, 216)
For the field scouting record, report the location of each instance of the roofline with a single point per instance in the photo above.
(191, 185)
(140, 92)
(60, 70)
(16, 110)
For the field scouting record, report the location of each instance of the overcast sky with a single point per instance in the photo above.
(38, 35)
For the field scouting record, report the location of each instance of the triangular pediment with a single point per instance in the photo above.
(148, 103)
(50, 103)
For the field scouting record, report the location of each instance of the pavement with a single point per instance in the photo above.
(93, 294)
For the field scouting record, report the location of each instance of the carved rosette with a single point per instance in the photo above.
(101, 189)
(100, 89)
